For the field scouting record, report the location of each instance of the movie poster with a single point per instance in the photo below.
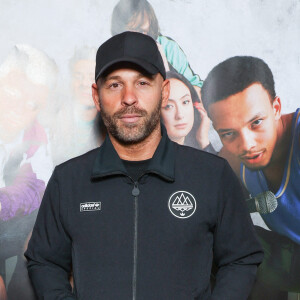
(234, 71)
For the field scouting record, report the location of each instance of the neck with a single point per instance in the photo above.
(139, 151)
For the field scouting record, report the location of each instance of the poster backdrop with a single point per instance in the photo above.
(47, 61)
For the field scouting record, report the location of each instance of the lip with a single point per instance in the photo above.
(181, 126)
(253, 158)
(130, 118)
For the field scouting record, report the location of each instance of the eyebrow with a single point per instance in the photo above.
(180, 97)
(258, 115)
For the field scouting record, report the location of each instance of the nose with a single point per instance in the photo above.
(179, 113)
(129, 96)
(247, 141)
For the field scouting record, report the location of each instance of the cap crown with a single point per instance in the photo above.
(132, 47)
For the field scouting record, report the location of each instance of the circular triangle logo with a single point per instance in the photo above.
(182, 204)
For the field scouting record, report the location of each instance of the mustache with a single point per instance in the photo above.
(130, 110)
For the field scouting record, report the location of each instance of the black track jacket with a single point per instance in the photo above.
(153, 239)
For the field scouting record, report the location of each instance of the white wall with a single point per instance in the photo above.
(209, 31)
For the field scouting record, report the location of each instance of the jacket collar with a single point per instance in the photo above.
(108, 162)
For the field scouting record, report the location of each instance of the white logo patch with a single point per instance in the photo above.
(182, 204)
(90, 206)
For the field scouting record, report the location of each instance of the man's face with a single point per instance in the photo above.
(20, 102)
(130, 101)
(82, 78)
(247, 125)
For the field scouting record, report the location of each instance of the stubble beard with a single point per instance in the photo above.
(131, 133)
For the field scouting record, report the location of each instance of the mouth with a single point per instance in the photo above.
(130, 118)
(253, 158)
(181, 126)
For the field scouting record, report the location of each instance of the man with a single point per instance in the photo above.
(262, 146)
(141, 217)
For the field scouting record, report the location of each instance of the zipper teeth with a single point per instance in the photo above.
(135, 248)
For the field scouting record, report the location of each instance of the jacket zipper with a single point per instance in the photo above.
(135, 192)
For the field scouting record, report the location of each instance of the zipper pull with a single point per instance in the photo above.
(135, 192)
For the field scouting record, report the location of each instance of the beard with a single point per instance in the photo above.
(131, 133)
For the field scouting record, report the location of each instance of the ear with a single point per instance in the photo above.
(277, 108)
(165, 92)
(96, 98)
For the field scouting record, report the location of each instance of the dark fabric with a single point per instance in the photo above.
(136, 168)
(137, 231)
(108, 162)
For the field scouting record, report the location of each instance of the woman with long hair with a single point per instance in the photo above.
(184, 117)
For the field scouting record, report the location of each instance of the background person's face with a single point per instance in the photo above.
(178, 114)
(82, 79)
(247, 125)
(130, 104)
(138, 24)
(20, 102)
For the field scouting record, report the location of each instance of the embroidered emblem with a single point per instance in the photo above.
(182, 204)
(90, 206)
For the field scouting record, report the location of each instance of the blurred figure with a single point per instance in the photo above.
(185, 118)
(139, 16)
(26, 77)
(82, 69)
(77, 123)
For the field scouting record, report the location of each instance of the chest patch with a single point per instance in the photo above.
(90, 206)
(182, 204)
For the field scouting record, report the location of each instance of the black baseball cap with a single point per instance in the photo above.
(132, 47)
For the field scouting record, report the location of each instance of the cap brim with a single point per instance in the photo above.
(151, 69)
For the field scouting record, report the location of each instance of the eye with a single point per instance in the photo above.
(168, 107)
(256, 123)
(143, 83)
(227, 135)
(114, 85)
(186, 101)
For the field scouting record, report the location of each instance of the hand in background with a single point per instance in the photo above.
(202, 132)
(3, 295)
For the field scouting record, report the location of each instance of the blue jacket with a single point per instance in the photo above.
(150, 239)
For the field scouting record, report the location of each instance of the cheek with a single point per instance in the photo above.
(167, 117)
(268, 138)
(168, 120)
(230, 146)
(108, 101)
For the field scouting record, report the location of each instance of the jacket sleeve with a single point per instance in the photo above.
(23, 196)
(49, 249)
(237, 252)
